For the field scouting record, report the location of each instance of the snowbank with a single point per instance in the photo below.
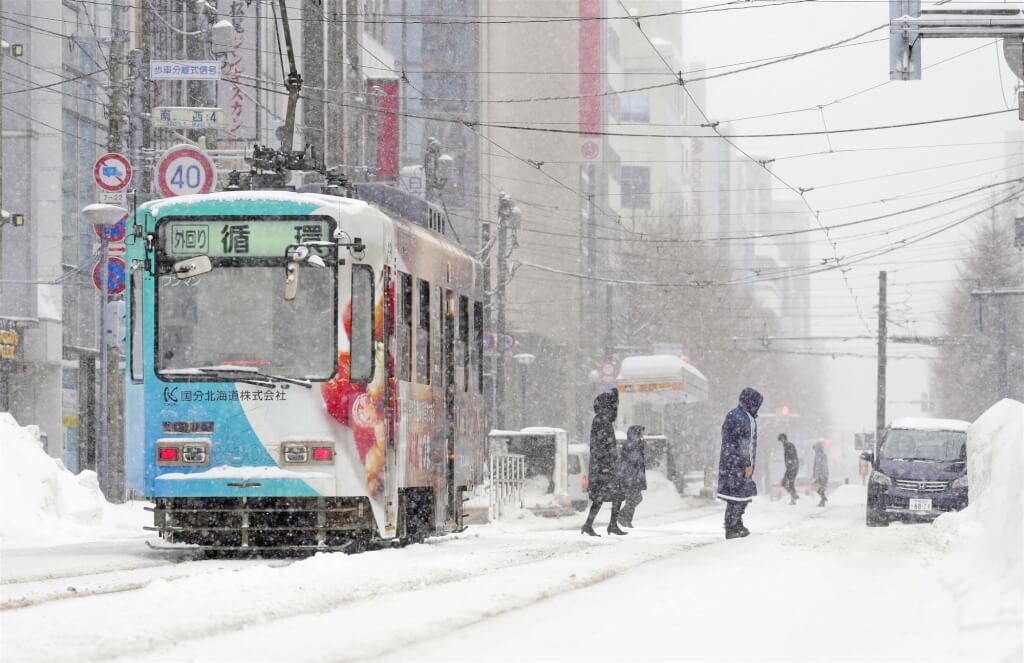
(44, 504)
(848, 495)
(986, 571)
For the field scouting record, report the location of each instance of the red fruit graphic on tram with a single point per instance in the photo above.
(339, 393)
(365, 421)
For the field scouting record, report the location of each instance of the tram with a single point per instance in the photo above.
(303, 370)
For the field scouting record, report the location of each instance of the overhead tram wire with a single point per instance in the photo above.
(475, 19)
(529, 162)
(52, 85)
(851, 95)
(762, 63)
(776, 176)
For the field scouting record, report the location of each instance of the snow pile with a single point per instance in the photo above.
(848, 495)
(536, 493)
(44, 503)
(986, 572)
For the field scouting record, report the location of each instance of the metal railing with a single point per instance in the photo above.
(508, 476)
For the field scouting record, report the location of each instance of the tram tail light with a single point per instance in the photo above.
(584, 482)
(168, 454)
(323, 453)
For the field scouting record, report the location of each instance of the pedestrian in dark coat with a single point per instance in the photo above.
(736, 463)
(603, 484)
(632, 473)
(792, 466)
(820, 471)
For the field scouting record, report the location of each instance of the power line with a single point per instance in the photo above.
(51, 85)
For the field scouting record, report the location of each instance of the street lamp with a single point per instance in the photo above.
(524, 359)
(102, 214)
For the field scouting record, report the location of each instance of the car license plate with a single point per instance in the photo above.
(920, 505)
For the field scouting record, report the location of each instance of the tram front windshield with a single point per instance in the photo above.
(236, 314)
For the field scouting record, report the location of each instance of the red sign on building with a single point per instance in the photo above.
(385, 100)
(590, 66)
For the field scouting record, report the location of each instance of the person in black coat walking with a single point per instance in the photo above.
(632, 474)
(792, 466)
(603, 483)
(736, 463)
(820, 472)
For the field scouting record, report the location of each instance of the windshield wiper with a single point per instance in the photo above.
(259, 378)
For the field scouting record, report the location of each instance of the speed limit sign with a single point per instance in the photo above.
(184, 170)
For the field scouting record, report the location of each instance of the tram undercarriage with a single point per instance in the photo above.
(292, 524)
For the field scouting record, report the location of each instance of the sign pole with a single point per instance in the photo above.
(103, 446)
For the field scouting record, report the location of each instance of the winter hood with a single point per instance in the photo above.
(633, 433)
(607, 404)
(750, 400)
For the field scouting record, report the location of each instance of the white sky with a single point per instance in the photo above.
(974, 83)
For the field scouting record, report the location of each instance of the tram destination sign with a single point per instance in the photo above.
(239, 238)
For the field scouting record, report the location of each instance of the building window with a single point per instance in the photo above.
(636, 187)
(634, 107)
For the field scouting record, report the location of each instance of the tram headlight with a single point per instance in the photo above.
(193, 453)
(295, 453)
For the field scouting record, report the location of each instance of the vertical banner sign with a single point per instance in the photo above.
(387, 126)
(590, 65)
(590, 77)
(237, 101)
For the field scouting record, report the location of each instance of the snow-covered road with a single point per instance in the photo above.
(809, 584)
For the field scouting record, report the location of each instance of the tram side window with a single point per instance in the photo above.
(464, 340)
(135, 311)
(478, 344)
(361, 350)
(423, 333)
(405, 327)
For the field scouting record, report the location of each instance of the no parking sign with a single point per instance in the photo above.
(185, 170)
(116, 275)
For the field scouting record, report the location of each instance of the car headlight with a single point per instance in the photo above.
(880, 479)
(961, 482)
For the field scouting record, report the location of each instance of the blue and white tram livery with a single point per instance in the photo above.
(303, 370)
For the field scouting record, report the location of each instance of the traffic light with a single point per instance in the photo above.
(785, 410)
(828, 443)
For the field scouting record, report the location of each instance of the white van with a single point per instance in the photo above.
(577, 464)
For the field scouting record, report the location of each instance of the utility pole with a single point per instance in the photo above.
(608, 297)
(117, 137)
(505, 207)
(882, 319)
(139, 74)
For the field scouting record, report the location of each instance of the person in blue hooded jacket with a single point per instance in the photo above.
(736, 464)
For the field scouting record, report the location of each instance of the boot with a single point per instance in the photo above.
(733, 533)
(822, 502)
(626, 522)
(792, 500)
(589, 529)
(613, 528)
(742, 529)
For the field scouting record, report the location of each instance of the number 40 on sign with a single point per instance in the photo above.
(185, 170)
